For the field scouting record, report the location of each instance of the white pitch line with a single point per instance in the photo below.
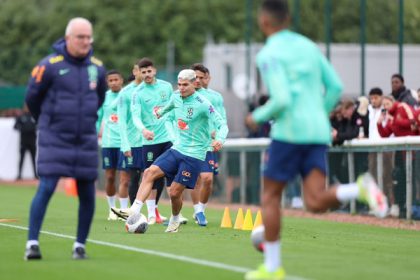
(155, 253)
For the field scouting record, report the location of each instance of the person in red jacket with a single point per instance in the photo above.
(397, 118)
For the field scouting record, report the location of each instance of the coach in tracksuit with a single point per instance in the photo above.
(64, 93)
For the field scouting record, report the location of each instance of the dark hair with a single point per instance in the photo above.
(145, 62)
(200, 67)
(263, 99)
(278, 9)
(398, 76)
(113, 72)
(376, 91)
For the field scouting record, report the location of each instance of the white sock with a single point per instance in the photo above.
(77, 244)
(111, 201)
(151, 206)
(29, 243)
(272, 253)
(347, 192)
(175, 218)
(123, 202)
(136, 207)
(203, 206)
(197, 208)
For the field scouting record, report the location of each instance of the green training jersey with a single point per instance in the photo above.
(216, 99)
(130, 136)
(303, 89)
(107, 115)
(147, 99)
(193, 115)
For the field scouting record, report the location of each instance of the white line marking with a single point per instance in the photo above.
(155, 253)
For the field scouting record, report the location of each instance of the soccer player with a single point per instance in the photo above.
(64, 94)
(182, 163)
(112, 157)
(203, 189)
(131, 139)
(303, 88)
(151, 95)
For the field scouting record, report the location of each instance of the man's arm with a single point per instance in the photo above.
(222, 129)
(122, 116)
(38, 86)
(332, 83)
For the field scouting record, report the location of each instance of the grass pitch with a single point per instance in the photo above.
(312, 249)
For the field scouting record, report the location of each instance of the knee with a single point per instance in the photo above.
(110, 177)
(314, 204)
(175, 192)
(207, 180)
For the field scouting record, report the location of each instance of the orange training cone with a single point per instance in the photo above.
(258, 219)
(248, 225)
(70, 186)
(239, 219)
(226, 221)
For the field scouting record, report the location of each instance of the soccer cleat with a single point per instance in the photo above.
(372, 195)
(172, 226)
(122, 213)
(201, 219)
(262, 274)
(79, 253)
(182, 219)
(112, 216)
(151, 220)
(159, 218)
(33, 253)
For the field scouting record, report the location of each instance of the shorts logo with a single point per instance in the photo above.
(106, 161)
(130, 161)
(211, 162)
(186, 174)
(150, 156)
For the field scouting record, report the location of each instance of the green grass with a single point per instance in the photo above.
(312, 249)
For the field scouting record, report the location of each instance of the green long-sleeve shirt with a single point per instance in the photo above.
(146, 100)
(130, 136)
(193, 115)
(107, 115)
(303, 89)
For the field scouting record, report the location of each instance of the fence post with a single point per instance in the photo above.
(409, 183)
(242, 166)
(350, 159)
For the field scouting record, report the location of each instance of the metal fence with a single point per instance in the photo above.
(240, 157)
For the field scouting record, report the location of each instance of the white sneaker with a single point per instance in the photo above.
(372, 195)
(173, 226)
(151, 220)
(112, 216)
(182, 219)
(394, 211)
(122, 213)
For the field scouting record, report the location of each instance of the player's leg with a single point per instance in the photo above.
(135, 165)
(47, 185)
(22, 156)
(86, 193)
(123, 188)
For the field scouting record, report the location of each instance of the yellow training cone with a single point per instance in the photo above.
(258, 220)
(248, 221)
(239, 219)
(226, 221)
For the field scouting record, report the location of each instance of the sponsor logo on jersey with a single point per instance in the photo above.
(64, 71)
(56, 59)
(182, 125)
(113, 118)
(211, 109)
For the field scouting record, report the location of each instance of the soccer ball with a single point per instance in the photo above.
(136, 223)
(257, 238)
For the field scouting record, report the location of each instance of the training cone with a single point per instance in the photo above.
(226, 221)
(70, 187)
(239, 219)
(248, 225)
(258, 220)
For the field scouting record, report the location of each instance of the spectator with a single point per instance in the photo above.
(400, 92)
(375, 111)
(26, 125)
(264, 128)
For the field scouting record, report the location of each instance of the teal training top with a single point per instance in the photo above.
(108, 115)
(147, 99)
(193, 115)
(216, 99)
(303, 89)
(130, 136)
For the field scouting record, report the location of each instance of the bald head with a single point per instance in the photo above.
(79, 37)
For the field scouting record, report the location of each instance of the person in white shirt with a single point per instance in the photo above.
(375, 111)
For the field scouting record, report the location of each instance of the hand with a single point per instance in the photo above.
(217, 145)
(250, 122)
(128, 154)
(334, 134)
(149, 135)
